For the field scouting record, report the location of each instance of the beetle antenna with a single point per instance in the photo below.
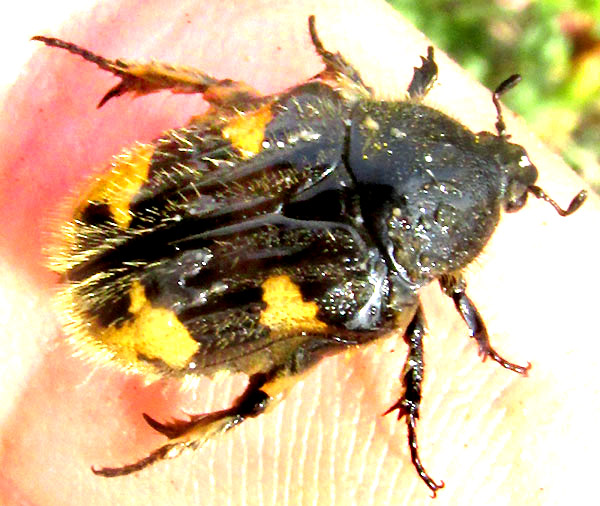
(502, 88)
(575, 204)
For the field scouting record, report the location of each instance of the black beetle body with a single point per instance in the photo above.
(445, 186)
(273, 231)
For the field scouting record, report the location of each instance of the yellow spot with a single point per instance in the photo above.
(153, 332)
(246, 132)
(286, 312)
(116, 188)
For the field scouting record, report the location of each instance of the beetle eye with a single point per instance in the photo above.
(517, 203)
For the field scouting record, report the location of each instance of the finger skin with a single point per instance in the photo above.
(493, 437)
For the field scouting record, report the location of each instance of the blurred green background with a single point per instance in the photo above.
(553, 44)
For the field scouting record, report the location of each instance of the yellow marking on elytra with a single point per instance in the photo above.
(116, 188)
(246, 132)
(286, 311)
(152, 332)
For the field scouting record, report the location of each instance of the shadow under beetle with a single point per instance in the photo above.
(275, 230)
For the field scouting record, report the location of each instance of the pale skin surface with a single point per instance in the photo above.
(494, 437)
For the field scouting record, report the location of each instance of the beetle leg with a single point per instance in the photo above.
(408, 404)
(263, 392)
(455, 289)
(424, 76)
(335, 65)
(193, 433)
(145, 78)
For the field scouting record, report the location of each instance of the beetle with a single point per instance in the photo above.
(273, 231)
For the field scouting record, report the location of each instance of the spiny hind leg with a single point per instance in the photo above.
(193, 433)
(263, 392)
(145, 78)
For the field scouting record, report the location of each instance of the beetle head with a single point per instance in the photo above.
(519, 174)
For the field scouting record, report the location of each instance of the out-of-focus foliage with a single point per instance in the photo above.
(554, 44)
